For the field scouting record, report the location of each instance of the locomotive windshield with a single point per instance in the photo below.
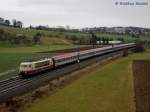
(25, 65)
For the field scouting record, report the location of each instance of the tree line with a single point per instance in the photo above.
(13, 23)
(19, 39)
(19, 24)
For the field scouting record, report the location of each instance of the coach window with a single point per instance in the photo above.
(24, 66)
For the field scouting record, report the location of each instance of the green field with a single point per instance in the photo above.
(107, 89)
(35, 49)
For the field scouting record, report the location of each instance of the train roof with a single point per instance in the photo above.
(67, 55)
(47, 59)
(27, 63)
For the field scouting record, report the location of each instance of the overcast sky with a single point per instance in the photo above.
(76, 13)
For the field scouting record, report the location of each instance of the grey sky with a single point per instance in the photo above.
(76, 13)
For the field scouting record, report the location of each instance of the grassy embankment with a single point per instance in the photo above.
(107, 89)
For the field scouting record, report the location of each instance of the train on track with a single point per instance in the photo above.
(35, 67)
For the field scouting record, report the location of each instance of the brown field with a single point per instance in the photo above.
(141, 72)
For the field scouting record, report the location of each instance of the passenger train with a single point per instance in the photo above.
(35, 67)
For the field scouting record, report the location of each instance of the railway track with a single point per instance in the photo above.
(8, 81)
(17, 86)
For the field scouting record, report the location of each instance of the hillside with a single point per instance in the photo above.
(65, 38)
(16, 39)
(48, 38)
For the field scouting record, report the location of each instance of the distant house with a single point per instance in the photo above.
(19, 24)
(120, 30)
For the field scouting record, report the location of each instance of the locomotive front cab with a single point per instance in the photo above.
(25, 68)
